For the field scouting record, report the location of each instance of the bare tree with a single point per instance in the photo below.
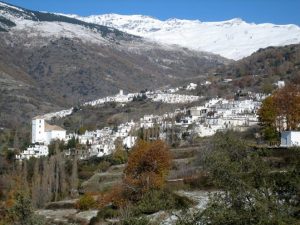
(74, 178)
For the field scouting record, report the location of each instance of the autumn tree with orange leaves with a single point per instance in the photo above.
(280, 111)
(147, 168)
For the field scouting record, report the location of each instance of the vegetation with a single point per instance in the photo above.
(42, 180)
(119, 156)
(273, 63)
(255, 187)
(143, 189)
(50, 181)
(252, 191)
(86, 202)
(14, 140)
(147, 168)
(91, 118)
(18, 208)
(157, 200)
(280, 111)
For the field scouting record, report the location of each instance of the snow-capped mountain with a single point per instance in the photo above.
(42, 24)
(49, 61)
(233, 39)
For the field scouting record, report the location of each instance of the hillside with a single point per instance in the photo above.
(233, 39)
(48, 62)
(267, 65)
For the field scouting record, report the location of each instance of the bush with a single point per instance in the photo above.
(108, 213)
(147, 168)
(119, 157)
(152, 202)
(103, 166)
(21, 211)
(156, 200)
(252, 192)
(86, 202)
(181, 202)
(114, 197)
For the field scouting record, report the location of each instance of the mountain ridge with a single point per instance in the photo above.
(233, 39)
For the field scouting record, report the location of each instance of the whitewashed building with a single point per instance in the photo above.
(41, 136)
(36, 151)
(290, 139)
(42, 132)
(129, 141)
(280, 84)
(191, 86)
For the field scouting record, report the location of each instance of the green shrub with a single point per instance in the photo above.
(108, 213)
(86, 202)
(156, 200)
(181, 202)
(119, 157)
(152, 202)
(103, 166)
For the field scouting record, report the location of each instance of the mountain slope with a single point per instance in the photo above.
(233, 39)
(48, 62)
(12, 16)
(280, 61)
(263, 68)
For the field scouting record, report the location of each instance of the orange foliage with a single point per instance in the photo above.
(282, 109)
(147, 168)
(287, 101)
(16, 186)
(115, 197)
(10, 200)
(268, 112)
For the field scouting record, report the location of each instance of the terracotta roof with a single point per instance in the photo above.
(38, 117)
(49, 127)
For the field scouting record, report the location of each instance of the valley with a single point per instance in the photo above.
(128, 119)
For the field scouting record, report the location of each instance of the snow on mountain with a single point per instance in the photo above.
(10, 6)
(57, 30)
(34, 28)
(15, 20)
(233, 39)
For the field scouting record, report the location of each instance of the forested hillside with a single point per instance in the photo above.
(272, 62)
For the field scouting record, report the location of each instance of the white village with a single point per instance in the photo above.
(214, 115)
(149, 112)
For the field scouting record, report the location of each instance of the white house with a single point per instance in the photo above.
(290, 139)
(280, 84)
(42, 132)
(129, 141)
(36, 151)
(191, 86)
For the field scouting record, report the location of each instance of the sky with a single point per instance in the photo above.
(256, 11)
